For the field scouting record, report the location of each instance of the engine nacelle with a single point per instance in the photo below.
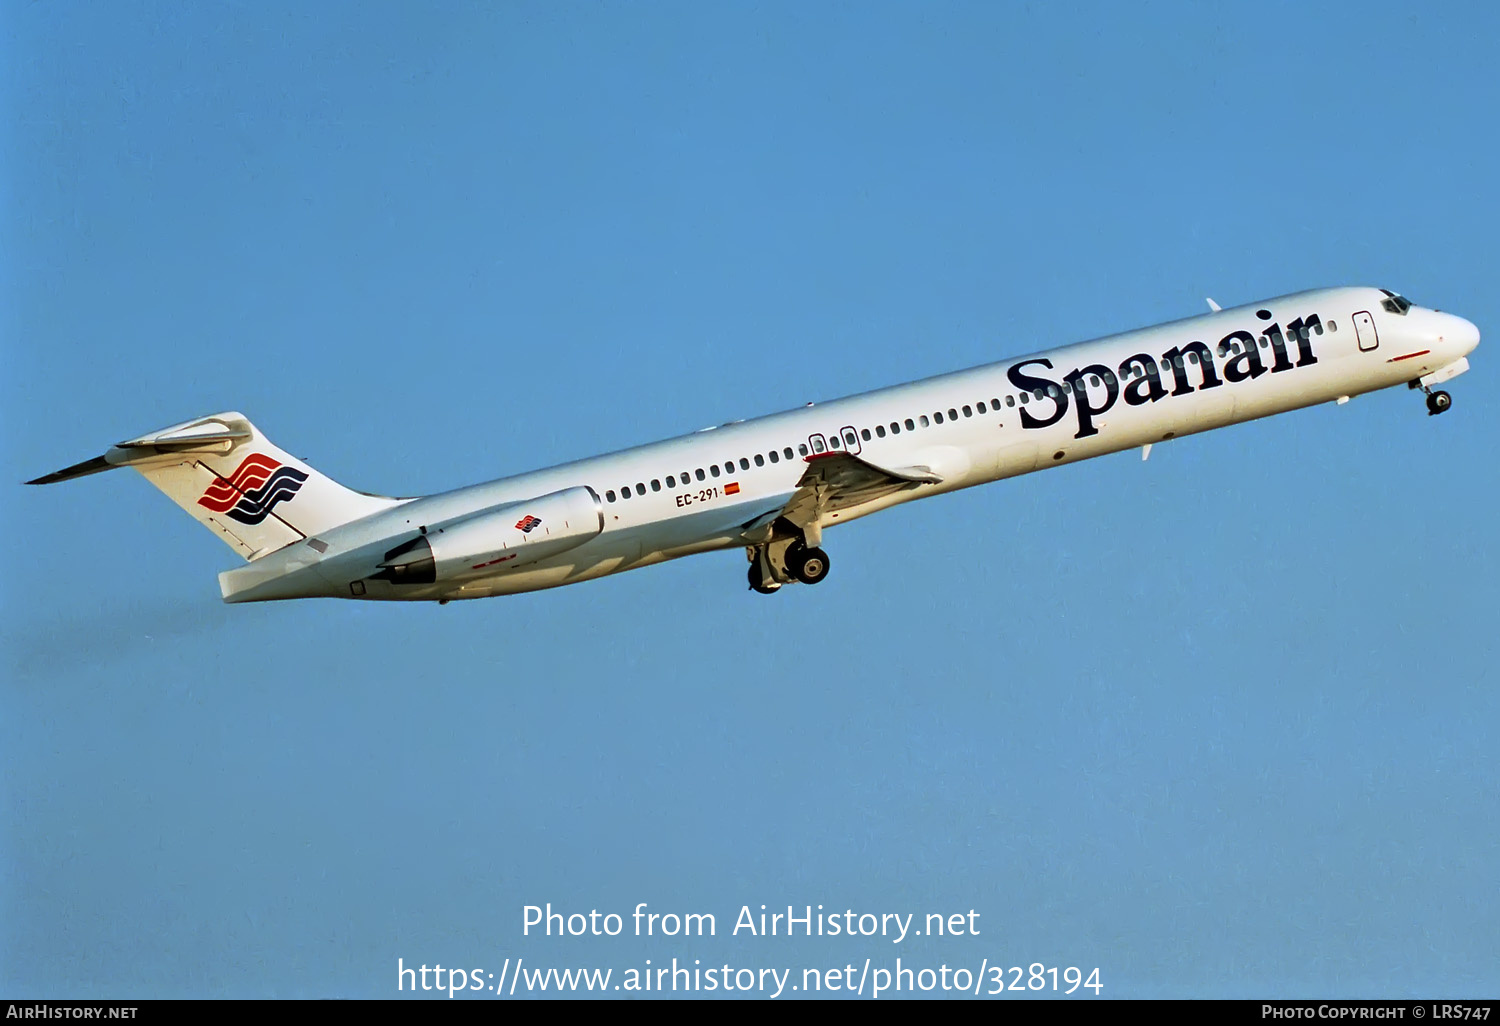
(497, 539)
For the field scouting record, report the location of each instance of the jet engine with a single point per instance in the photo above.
(497, 539)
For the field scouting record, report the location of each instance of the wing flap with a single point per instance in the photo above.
(835, 481)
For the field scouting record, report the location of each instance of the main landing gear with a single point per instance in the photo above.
(759, 584)
(798, 561)
(808, 565)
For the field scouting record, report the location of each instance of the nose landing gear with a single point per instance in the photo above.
(1438, 401)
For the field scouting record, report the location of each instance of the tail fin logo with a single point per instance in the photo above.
(253, 490)
(527, 523)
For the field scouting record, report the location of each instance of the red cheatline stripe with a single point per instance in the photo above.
(1408, 356)
(502, 559)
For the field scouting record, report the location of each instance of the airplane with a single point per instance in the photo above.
(773, 484)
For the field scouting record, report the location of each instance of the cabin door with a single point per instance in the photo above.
(1364, 328)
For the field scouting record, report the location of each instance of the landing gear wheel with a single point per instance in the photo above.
(757, 586)
(807, 565)
(1438, 402)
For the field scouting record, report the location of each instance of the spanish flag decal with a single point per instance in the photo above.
(732, 488)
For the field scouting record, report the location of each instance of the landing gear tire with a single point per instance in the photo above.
(1438, 402)
(807, 565)
(759, 586)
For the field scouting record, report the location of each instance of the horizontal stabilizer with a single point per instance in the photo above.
(191, 438)
(215, 434)
(253, 496)
(93, 466)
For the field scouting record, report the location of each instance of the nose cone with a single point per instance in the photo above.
(1459, 335)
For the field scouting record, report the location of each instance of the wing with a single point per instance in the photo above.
(835, 481)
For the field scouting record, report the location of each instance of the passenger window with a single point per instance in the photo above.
(625, 492)
(980, 406)
(744, 463)
(774, 458)
(1054, 392)
(865, 434)
(1010, 400)
(1333, 325)
(968, 412)
(609, 496)
(880, 430)
(937, 418)
(818, 445)
(1038, 394)
(909, 425)
(655, 485)
(801, 450)
(729, 467)
(699, 474)
(640, 488)
(714, 470)
(671, 481)
(1025, 398)
(923, 419)
(833, 443)
(760, 461)
(995, 405)
(1177, 360)
(850, 440)
(1094, 380)
(952, 414)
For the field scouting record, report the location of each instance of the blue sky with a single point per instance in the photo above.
(1220, 724)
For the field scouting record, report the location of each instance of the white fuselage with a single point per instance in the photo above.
(699, 491)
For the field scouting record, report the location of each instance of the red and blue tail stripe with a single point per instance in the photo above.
(253, 490)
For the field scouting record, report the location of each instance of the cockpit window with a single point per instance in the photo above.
(1395, 304)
